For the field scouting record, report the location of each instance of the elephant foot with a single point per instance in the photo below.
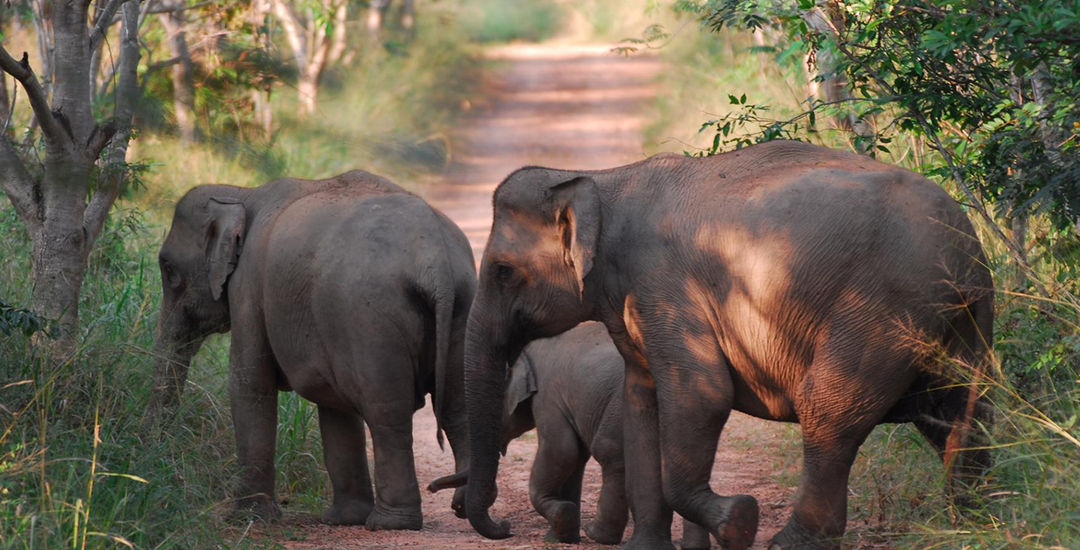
(695, 537)
(565, 523)
(796, 537)
(354, 512)
(641, 540)
(738, 523)
(382, 519)
(603, 534)
(259, 507)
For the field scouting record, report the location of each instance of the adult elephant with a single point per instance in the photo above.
(784, 280)
(350, 291)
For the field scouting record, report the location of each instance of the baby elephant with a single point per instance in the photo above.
(570, 389)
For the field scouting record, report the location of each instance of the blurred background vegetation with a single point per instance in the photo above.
(982, 97)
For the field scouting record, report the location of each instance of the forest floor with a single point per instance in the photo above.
(577, 107)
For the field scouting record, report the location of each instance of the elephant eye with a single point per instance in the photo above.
(169, 274)
(503, 273)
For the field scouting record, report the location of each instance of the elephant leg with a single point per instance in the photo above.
(611, 508)
(612, 511)
(556, 468)
(346, 461)
(652, 516)
(838, 409)
(397, 494)
(694, 536)
(253, 402)
(820, 514)
(695, 402)
(387, 405)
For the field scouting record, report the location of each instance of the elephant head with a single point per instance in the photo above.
(196, 260)
(533, 284)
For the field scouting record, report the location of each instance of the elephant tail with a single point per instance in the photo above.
(443, 298)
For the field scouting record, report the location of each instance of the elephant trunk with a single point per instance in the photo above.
(451, 481)
(174, 346)
(485, 385)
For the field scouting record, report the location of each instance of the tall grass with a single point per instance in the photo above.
(80, 466)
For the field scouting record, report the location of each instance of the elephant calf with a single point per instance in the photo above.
(569, 388)
(351, 292)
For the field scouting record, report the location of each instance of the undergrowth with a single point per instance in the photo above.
(80, 464)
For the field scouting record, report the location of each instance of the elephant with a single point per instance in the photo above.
(786, 280)
(569, 387)
(350, 291)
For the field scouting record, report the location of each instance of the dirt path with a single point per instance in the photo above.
(568, 107)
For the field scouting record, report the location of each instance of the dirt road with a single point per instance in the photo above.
(568, 107)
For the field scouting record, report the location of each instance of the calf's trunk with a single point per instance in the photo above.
(174, 346)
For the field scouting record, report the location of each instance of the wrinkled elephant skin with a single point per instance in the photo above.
(784, 280)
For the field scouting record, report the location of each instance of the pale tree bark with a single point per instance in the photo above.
(825, 19)
(260, 96)
(62, 223)
(174, 22)
(316, 39)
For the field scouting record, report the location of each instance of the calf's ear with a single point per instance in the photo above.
(226, 221)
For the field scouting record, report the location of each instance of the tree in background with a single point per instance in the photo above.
(173, 18)
(985, 90)
(64, 198)
(315, 31)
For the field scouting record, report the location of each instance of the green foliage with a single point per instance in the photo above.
(15, 319)
(991, 86)
(224, 77)
(499, 21)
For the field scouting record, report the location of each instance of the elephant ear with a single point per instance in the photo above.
(522, 385)
(577, 219)
(224, 239)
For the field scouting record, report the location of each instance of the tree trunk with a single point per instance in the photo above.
(61, 223)
(307, 86)
(57, 268)
(826, 19)
(313, 47)
(183, 89)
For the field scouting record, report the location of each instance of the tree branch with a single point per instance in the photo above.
(294, 31)
(127, 90)
(104, 21)
(35, 93)
(18, 184)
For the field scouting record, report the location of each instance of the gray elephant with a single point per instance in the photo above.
(350, 291)
(784, 280)
(569, 387)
